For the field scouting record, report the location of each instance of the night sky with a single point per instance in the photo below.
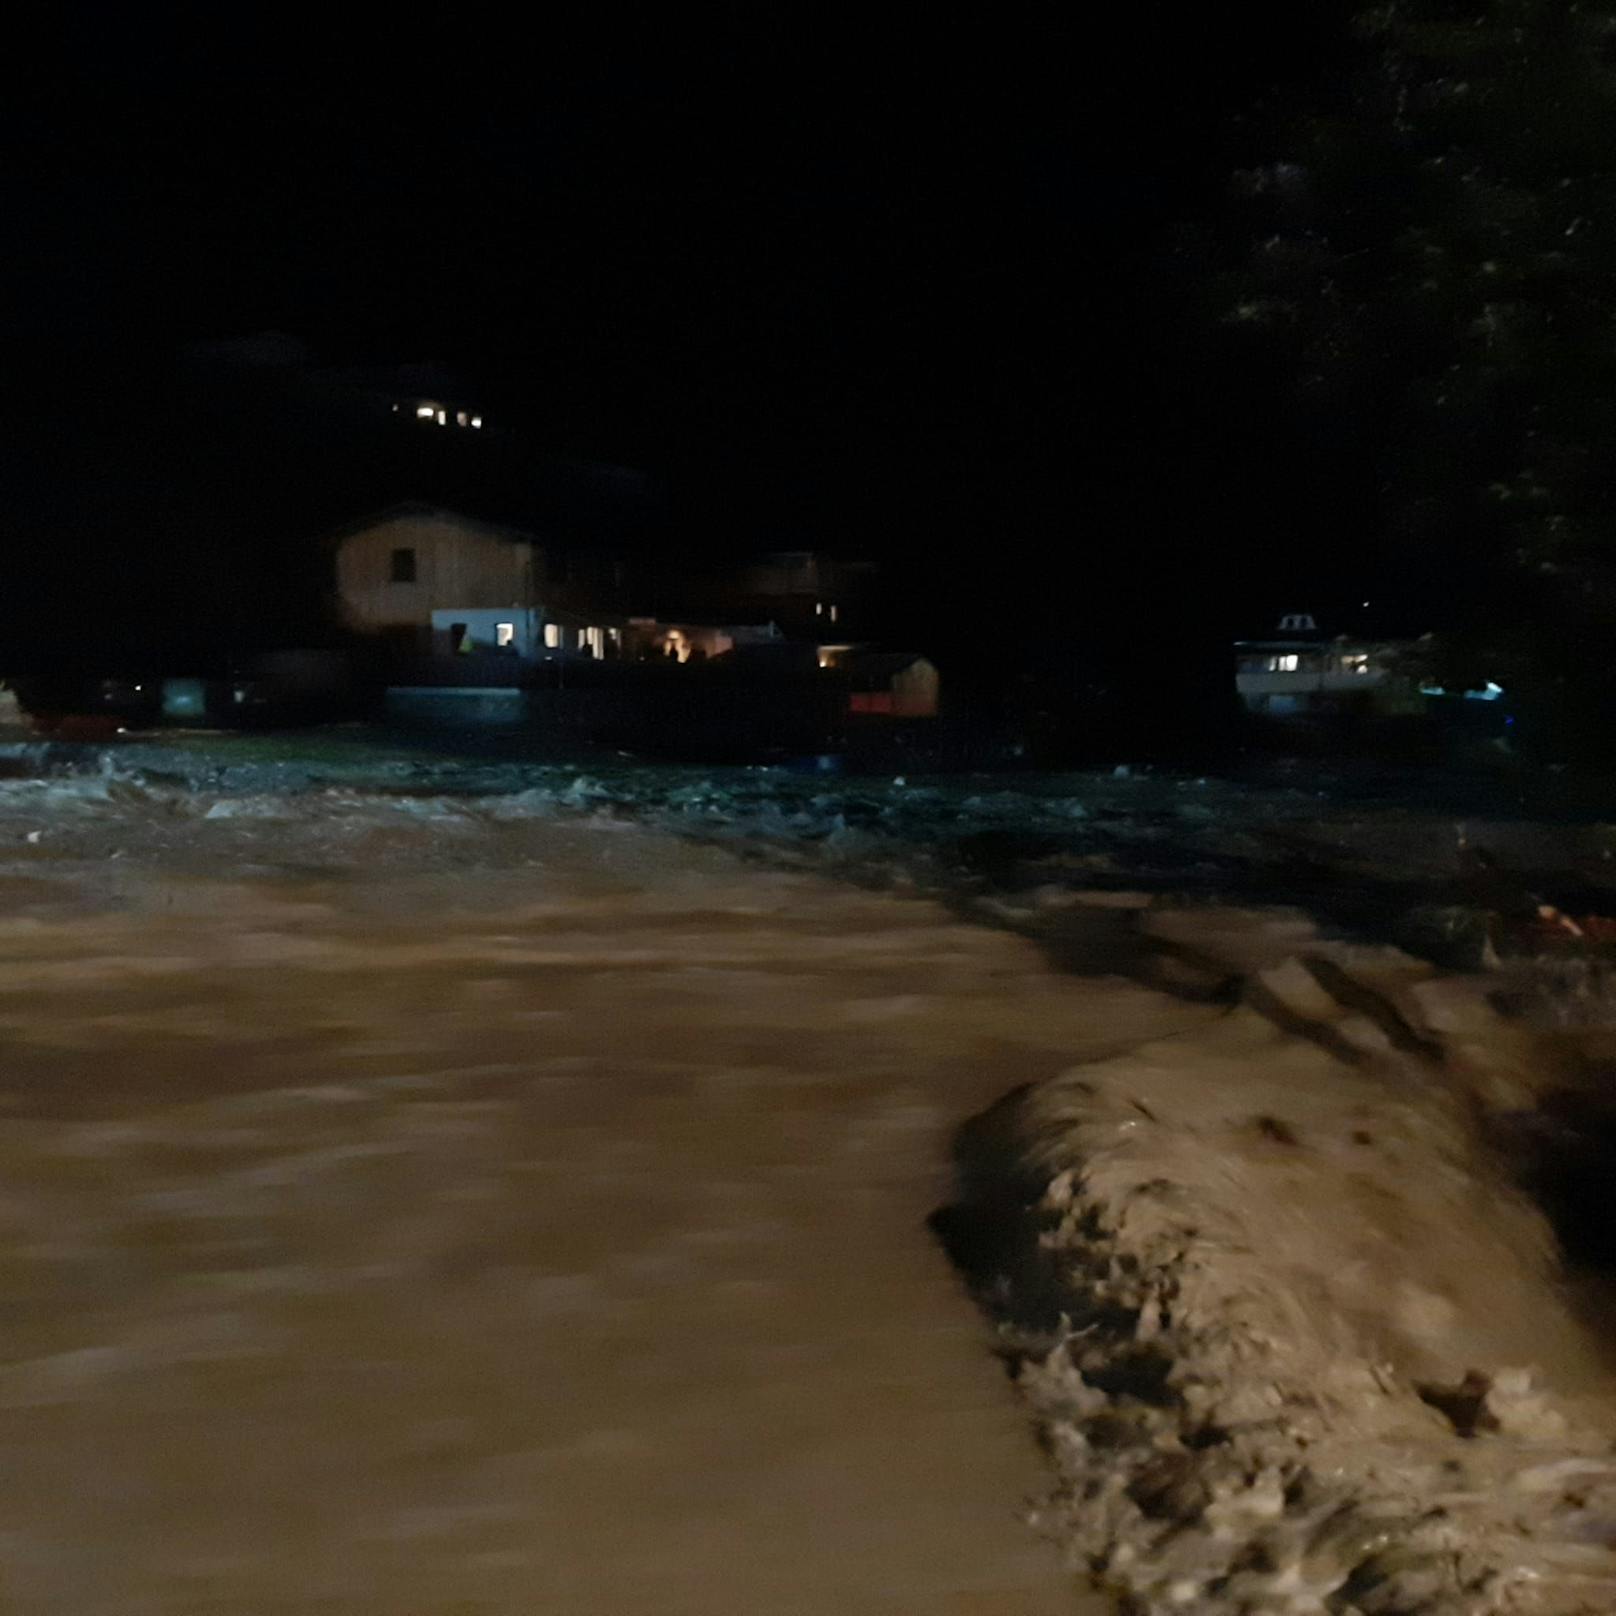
(881, 285)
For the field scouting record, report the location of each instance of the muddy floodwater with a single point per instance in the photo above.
(425, 1190)
(441, 1213)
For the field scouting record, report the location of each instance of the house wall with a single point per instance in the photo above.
(482, 630)
(456, 565)
(915, 691)
(911, 692)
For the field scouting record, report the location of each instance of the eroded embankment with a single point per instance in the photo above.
(1295, 1336)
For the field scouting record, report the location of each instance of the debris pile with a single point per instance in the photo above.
(1295, 1337)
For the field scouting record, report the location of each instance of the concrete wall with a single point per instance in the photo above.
(457, 565)
(454, 705)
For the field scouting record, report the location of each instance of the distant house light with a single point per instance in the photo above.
(1284, 664)
(819, 608)
(504, 634)
(443, 417)
(424, 412)
(552, 636)
(476, 420)
(833, 614)
(460, 418)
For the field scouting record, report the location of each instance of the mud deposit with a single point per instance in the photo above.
(1295, 1335)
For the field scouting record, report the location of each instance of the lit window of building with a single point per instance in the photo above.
(424, 412)
(1284, 664)
(552, 636)
(460, 417)
(833, 614)
(443, 417)
(504, 634)
(476, 420)
(1355, 664)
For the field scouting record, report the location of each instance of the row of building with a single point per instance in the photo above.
(460, 603)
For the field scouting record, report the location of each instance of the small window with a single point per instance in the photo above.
(424, 412)
(1283, 664)
(477, 420)
(504, 635)
(552, 636)
(403, 567)
(460, 418)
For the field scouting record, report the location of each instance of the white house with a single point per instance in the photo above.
(440, 582)
(1300, 668)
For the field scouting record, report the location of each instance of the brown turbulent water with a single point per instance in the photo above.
(455, 1215)
(421, 1205)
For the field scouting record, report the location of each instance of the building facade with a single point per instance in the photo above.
(1301, 669)
(394, 571)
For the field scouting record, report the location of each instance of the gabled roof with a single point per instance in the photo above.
(878, 664)
(419, 379)
(417, 507)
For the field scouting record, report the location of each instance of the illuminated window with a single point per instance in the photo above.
(476, 420)
(593, 640)
(403, 568)
(552, 636)
(1355, 664)
(443, 417)
(460, 418)
(833, 614)
(504, 634)
(1283, 664)
(424, 412)
(819, 608)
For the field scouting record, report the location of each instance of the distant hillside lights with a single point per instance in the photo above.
(426, 410)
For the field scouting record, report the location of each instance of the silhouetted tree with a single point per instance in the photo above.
(1432, 251)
